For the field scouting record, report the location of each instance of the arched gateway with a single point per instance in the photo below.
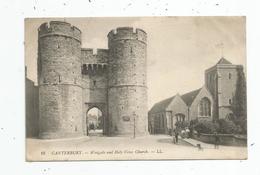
(72, 80)
(104, 117)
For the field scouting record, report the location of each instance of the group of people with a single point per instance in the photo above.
(184, 133)
(187, 133)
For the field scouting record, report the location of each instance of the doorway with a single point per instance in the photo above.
(94, 122)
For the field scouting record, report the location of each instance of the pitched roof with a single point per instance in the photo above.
(162, 105)
(189, 97)
(223, 61)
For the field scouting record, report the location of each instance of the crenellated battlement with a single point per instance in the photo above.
(72, 78)
(122, 33)
(59, 28)
(94, 69)
(91, 56)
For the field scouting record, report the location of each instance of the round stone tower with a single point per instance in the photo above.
(127, 87)
(59, 79)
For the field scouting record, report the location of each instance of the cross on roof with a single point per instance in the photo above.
(221, 46)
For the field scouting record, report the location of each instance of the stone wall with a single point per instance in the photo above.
(128, 110)
(194, 108)
(72, 80)
(127, 90)
(94, 78)
(89, 57)
(95, 93)
(59, 78)
(221, 81)
(31, 108)
(158, 122)
(225, 139)
(211, 85)
(178, 106)
(226, 84)
(227, 88)
(163, 122)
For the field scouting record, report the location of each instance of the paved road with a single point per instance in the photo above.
(195, 143)
(121, 148)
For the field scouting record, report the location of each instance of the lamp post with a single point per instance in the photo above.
(134, 124)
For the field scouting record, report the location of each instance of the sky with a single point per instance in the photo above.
(179, 49)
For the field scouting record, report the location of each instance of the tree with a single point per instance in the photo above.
(227, 127)
(239, 105)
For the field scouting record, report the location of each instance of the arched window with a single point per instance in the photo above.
(180, 117)
(205, 107)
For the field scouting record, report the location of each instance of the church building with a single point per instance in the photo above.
(212, 101)
(196, 104)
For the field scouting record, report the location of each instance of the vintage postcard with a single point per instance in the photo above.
(135, 88)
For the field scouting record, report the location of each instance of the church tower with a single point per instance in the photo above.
(221, 81)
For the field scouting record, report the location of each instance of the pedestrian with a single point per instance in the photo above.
(183, 133)
(94, 127)
(191, 132)
(176, 136)
(216, 137)
(173, 136)
(198, 133)
(187, 132)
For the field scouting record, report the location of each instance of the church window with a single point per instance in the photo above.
(180, 117)
(230, 101)
(205, 107)
(229, 75)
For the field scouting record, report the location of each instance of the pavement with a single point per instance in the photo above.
(150, 147)
(195, 143)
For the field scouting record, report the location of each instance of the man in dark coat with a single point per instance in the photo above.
(176, 136)
(217, 140)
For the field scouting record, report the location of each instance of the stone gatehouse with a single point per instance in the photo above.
(72, 80)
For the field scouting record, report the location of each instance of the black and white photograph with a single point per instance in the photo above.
(135, 88)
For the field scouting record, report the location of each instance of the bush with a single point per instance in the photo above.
(242, 125)
(228, 127)
(193, 122)
(182, 124)
(222, 126)
(207, 127)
